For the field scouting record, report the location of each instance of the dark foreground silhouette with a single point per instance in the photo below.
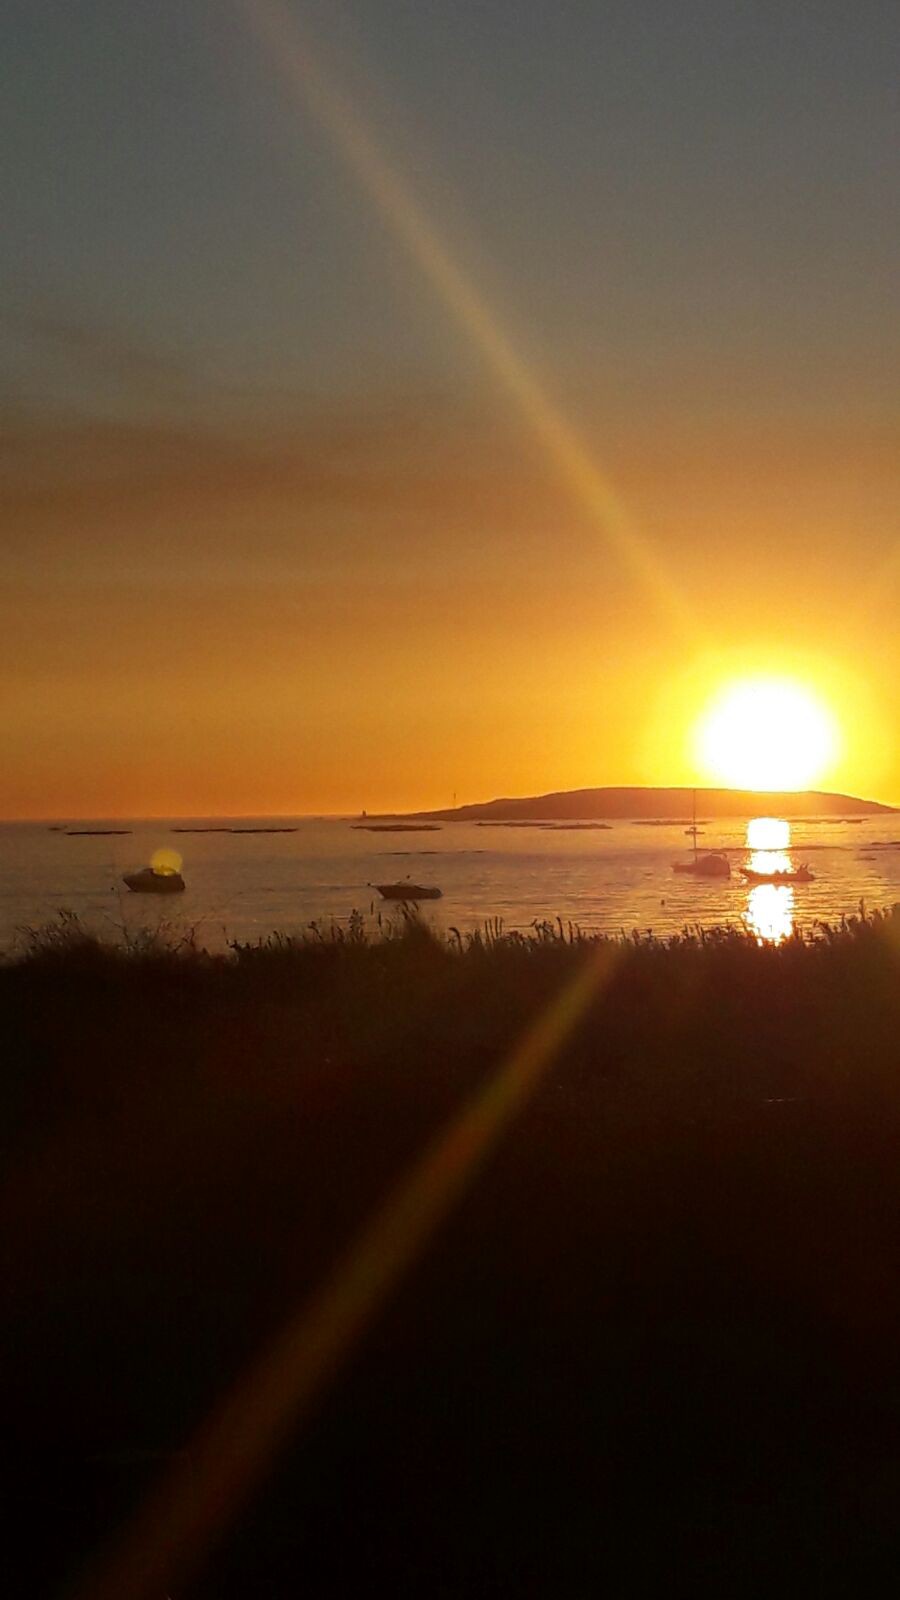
(655, 1344)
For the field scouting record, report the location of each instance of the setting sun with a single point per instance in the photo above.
(766, 734)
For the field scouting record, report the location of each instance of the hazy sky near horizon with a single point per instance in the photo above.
(284, 525)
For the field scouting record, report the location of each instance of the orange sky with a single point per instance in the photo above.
(469, 633)
(452, 419)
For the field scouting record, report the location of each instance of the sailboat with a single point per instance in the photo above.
(711, 864)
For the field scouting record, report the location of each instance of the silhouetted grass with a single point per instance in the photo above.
(657, 1343)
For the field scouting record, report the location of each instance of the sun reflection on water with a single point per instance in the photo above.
(768, 833)
(770, 906)
(770, 912)
(770, 861)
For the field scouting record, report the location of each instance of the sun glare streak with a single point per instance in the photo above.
(222, 1465)
(280, 32)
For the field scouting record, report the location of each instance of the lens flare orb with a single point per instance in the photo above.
(165, 863)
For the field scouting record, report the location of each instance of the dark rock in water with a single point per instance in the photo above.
(550, 827)
(576, 827)
(395, 827)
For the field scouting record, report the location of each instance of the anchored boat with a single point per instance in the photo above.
(407, 891)
(799, 874)
(150, 881)
(711, 864)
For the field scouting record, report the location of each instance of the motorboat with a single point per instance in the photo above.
(799, 874)
(151, 881)
(407, 891)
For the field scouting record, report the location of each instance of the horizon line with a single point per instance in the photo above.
(340, 815)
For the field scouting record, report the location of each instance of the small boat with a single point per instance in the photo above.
(779, 875)
(407, 891)
(149, 881)
(711, 865)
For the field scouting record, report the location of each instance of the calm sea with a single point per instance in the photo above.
(244, 886)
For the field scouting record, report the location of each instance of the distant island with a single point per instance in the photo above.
(675, 805)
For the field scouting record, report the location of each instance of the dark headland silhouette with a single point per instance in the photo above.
(670, 804)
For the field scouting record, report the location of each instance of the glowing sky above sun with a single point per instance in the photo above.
(404, 401)
(767, 734)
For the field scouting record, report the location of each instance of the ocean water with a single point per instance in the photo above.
(245, 886)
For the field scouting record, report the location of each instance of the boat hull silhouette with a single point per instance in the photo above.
(800, 875)
(149, 882)
(708, 866)
(407, 891)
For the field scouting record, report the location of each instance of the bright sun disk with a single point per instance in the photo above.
(766, 734)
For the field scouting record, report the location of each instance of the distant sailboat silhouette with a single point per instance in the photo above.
(712, 864)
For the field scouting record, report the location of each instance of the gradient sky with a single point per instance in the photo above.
(307, 337)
